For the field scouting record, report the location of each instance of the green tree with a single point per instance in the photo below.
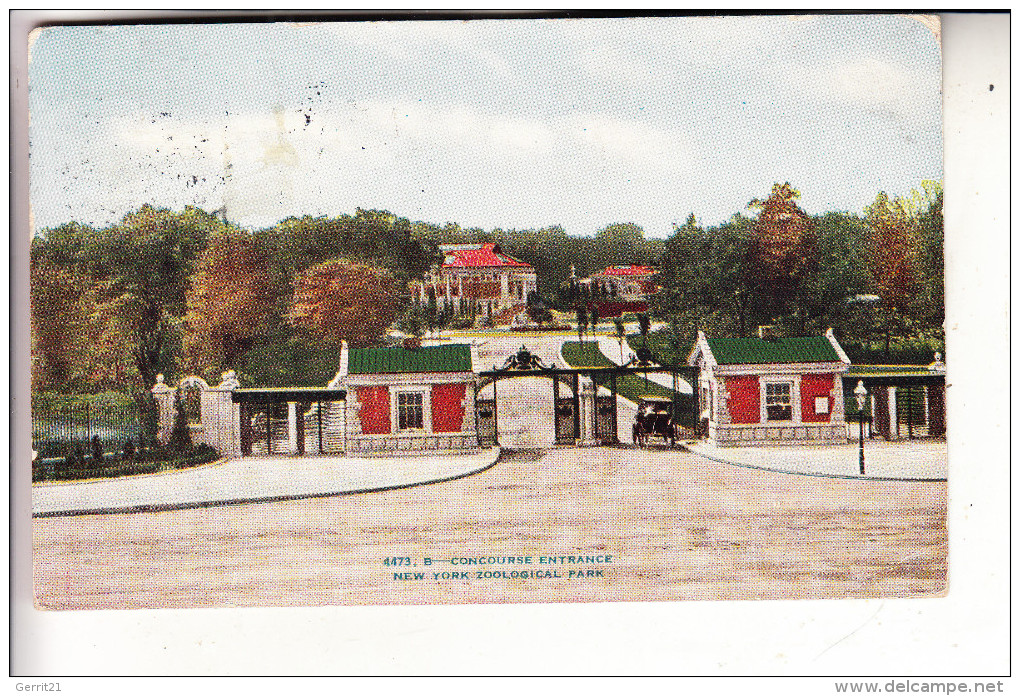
(622, 244)
(135, 278)
(702, 274)
(56, 321)
(842, 274)
(893, 251)
(930, 302)
(371, 237)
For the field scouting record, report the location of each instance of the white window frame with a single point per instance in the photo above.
(426, 406)
(795, 412)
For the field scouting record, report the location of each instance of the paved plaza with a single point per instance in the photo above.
(677, 526)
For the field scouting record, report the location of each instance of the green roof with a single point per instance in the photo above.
(455, 357)
(759, 351)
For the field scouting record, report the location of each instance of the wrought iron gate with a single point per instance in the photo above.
(566, 410)
(485, 410)
(605, 420)
(264, 429)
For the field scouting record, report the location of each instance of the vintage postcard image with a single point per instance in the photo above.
(498, 310)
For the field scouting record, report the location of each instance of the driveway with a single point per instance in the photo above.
(676, 526)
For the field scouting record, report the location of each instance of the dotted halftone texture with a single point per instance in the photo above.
(676, 526)
(508, 124)
(581, 131)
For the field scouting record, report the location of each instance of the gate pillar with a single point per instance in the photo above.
(588, 416)
(881, 412)
(894, 416)
(221, 418)
(164, 396)
(936, 410)
(292, 428)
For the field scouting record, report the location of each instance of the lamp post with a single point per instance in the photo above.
(862, 394)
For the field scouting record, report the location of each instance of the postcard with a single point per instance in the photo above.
(507, 310)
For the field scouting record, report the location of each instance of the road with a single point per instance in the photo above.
(676, 525)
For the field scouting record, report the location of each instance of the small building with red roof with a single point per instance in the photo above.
(477, 280)
(623, 288)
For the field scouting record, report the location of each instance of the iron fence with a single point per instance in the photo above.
(57, 427)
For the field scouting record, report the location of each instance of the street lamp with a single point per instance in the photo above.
(862, 394)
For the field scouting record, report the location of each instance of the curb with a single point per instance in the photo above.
(687, 449)
(167, 507)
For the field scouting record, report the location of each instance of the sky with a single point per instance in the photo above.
(518, 124)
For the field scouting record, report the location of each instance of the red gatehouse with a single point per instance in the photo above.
(408, 398)
(771, 390)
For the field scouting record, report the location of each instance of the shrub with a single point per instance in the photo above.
(180, 435)
(97, 451)
(71, 458)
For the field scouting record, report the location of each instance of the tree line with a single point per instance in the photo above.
(876, 278)
(187, 292)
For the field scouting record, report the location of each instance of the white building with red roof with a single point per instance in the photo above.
(625, 288)
(477, 280)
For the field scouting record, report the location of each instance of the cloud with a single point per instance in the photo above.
(633, 142)
(520, 123)
(867, 81)
(662, 51)
(408, 41)
(268, 166)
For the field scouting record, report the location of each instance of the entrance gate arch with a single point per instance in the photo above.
(578, 416)
(564, 405)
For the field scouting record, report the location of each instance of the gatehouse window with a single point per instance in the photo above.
(410, 411)
(779, 401)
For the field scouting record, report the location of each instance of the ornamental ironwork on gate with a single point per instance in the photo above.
(600, 418)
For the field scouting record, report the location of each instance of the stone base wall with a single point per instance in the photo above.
(412, 443)
(769, 435)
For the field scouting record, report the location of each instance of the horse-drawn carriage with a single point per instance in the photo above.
(655, 420)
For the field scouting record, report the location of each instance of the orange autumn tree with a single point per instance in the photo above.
(893, 254)
(337, 300)
(232, 301)
(782, 252)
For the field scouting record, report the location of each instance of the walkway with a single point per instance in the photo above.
(921, 460)
(254, 479)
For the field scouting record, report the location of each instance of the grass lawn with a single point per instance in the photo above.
(631, 387)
